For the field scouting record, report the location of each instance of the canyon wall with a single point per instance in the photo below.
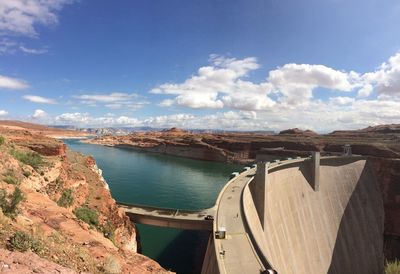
(56, 204)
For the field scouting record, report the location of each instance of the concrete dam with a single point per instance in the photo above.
(305, 216)
(308, 215)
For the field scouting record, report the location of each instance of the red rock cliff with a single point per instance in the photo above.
(67, 216)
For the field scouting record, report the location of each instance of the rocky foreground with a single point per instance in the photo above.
(381, 143)
(57, 214)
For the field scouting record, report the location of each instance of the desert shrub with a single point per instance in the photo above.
(2, 140)
(66, 199)
(33, 159)
(112, 265)
(22, 241)
(392, 267)
(108, 230)
(26, 173)
(87, 215)
(9, 205)
(9, 178)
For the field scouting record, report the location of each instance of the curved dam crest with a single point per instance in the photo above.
(296, 226)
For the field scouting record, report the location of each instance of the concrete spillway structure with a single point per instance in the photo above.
(167, 217)
(335, 228)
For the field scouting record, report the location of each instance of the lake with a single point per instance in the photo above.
(164, 181)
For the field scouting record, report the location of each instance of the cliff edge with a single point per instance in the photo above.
(55, 203)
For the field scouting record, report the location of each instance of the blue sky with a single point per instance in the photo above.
(245, 65)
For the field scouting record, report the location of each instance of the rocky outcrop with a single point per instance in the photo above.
(296, 131)
(27, 263)
(380, 129)
(67, 216)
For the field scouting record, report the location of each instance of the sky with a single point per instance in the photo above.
(207, 64)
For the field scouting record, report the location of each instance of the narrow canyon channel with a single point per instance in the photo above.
(164, 181)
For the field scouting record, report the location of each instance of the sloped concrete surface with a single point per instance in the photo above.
(338, 229)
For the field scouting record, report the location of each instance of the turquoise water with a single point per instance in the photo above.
(165, 181)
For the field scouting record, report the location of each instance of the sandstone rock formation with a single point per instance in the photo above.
(67, 216)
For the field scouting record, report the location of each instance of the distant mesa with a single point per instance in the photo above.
(175, 130)
(297, 131)
(380, 129)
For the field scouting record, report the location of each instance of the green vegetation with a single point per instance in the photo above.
(21, 241)
(33, 159)
(108, 230)
(87, 215)
(66, 199)
(9, 178)
(2, 140)
(26, 173)
(9, 205)
(392, 267)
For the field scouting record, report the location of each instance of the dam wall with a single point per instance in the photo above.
(337, 228)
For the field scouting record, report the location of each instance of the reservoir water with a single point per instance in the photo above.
(164, 181)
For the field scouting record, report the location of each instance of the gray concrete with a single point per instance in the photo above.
(315, 158)
(235, 253)
(337, 229)
(258, 189)
(210, 264)
(164, 217)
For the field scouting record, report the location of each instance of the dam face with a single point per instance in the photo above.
(335, 228)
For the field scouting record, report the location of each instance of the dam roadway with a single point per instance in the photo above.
(296, 216)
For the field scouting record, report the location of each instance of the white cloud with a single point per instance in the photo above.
(86, 120)
(341, 100)
(297, 81)
(21, 16)
(365, 91)
(106, 98)
(7, 46)
(176, 120)
(39, 114)
(219, 85)
(387, 78)
(3, 113)
(12, 83)
(32, 51)
(39, 99)
(115, 100)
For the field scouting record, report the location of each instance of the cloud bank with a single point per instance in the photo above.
(310, 96)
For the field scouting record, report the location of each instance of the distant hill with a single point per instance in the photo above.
(296, 131)
(380, 129)
(40, 129)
